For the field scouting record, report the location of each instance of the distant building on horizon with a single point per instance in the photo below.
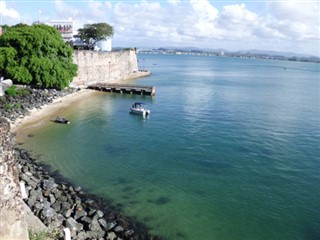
(0, 30)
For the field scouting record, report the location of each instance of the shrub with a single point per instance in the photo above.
(23, 91)
(11, 91)
(36, 55)
(14, 91)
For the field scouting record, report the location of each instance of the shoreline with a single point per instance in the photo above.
(57, 203)
(37, 117)
(121, 225)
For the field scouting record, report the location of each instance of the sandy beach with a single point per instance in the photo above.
(48, 112)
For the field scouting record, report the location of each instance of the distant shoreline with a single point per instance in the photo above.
(240, 54)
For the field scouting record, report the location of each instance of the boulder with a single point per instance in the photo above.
(52, 199)
(103, 222)
(64, 204)
(56, 193)
(92, 212)
(48, 184)
(57, 206)
(128, 233)
(86, 221)
(67, 213)
(111, 236)
(94, 225)
(57, 221)
(79, 213)
(48, 212)
(95, 234)
(82, 236)
(73, 224)
(110, 225)
(119, 229)
(99, 214)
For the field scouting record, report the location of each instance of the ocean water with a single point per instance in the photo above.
(230, 151)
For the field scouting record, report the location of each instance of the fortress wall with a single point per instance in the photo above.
(12, 218)
(104, 66)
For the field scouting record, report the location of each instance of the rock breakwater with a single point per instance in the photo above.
(59, 204)
(18, 106)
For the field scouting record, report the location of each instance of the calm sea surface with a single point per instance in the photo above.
(230, 151)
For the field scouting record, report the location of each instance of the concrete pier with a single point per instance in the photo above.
(124, 88)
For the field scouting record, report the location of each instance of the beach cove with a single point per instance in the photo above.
(33, 108)
(54, 199)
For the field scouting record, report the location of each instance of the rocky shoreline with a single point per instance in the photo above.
(14, 107)
(54, 199)
(59, 204)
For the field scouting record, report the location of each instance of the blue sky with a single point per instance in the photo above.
(277, 25)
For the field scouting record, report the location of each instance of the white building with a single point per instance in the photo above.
(64, 27)
(67, 31)
(103, 45)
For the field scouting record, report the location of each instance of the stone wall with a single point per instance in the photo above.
(12, 213)
(104, 66)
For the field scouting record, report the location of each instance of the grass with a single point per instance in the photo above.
(14, 91)
(44, 235)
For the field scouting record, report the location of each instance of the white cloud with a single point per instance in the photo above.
(295, 19)
(199, 23)
(237, 22)
(98, 9)
(296, 11)
(203, 23)
(238, 14)
(174, 2)
(5, 11)
(204, 10)
(84, 12)
(65, 11)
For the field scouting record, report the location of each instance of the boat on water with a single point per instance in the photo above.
(140, 108)
(62, 120)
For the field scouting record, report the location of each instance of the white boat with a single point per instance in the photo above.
(140, 108)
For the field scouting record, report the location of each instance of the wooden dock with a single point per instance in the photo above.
(124, 88)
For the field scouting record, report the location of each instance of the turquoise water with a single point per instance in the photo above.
(230, 151)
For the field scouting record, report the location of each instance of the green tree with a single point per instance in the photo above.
(96, 31)
(36, 55)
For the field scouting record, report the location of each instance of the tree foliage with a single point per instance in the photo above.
(95, 31)
(36, 55)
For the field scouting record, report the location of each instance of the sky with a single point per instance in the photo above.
(272, 25)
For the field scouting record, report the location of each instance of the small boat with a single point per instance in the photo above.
(140, 108)
(61, 120)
